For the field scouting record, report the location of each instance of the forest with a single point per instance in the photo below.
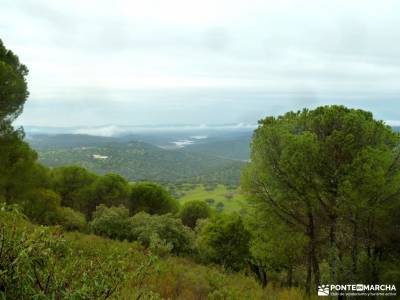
(322, 193)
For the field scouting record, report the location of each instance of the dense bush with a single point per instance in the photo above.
(112, 222)
(71, 220)
(331, 175)
(150, 229)
(192, 211)
(163, 233)
(71, 183)
(17, 164)
(151, 198)
(110, 189)
(42, 206)
(39, 263)
(224, 240)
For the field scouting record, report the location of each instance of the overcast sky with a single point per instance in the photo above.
(196, 62)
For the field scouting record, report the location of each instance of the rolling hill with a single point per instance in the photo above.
(236, 148)
(137, 161)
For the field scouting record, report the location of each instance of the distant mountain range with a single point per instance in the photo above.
(159, 159)
(121, 130)
(186, 155)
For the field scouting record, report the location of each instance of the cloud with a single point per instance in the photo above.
(139, 62)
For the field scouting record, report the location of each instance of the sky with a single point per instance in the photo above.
(97, 62)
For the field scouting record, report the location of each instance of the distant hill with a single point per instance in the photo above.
(216, 156)
(237, 148)
(136, 161)
(44, 141)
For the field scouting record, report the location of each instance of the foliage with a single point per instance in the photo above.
(192, 211)
(17, 164)
(323, 184)
(110, 189)
(137, 161)
(153, 229)
(72, 183)
(182, 279)
(223, 239)
(217, 194)
(161, 234)
(13, 86)
(42, 206)
(275, 248)
(38, 263)
(220, 206)
(151, 198)
(71, 220)
(327, 173)
(112, 222)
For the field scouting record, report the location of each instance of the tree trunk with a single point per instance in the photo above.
(313, 249)
(317, 275)
(290, 276)
(260, 273)
(333, 249)
(312, 261)
(354, 250)
(308, 279)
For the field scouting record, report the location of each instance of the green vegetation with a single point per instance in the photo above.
(192, 211)
(230, 197)
(151, 198)
(324, 193)
(331, 178)
(46, 263)
(139, 161)
(237, 148)
(40, 263)
(224, 240)
(13, 86)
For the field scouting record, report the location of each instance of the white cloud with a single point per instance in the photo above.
(232, 60)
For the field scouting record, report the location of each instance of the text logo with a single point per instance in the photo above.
(323, 290)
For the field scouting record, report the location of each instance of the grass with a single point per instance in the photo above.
(90, 263)
(232, 199)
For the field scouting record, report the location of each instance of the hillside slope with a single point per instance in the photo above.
(136, 161)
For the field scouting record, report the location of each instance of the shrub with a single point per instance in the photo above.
(210, 201)
(224, 240)
(71, 220)
(42, 206)
(112, 222)
(164, 229)
(192, 211)
(70, 183)
(220, 206)
(38, 263)
(151, 198)
(110, 189)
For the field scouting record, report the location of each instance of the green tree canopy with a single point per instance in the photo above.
(223, 239)
(162, 230)
(151, 198)
(42, 206)
(110, 190)
(17, 164)
(323, 172)
(13, 86)
(112, 222)
(71, 220)
(192, 211)
(72, 183)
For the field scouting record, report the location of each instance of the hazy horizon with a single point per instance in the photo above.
(210, 62)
